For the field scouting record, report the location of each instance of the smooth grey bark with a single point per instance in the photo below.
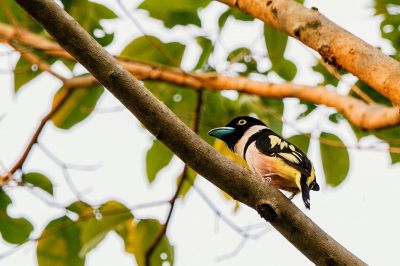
(271, 204)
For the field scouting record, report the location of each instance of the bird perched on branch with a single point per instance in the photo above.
(269, 155)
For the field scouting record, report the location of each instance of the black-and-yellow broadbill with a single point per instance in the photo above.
(268, 154)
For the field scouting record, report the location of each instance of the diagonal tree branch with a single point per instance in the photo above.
(272, 205)
(362, 115)
(337, 46)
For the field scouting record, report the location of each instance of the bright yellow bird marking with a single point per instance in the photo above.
(283, 144)
(274, 140)
(289, 157)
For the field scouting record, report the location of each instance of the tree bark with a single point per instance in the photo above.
(337, 46)
(360, 114)
(162, 123)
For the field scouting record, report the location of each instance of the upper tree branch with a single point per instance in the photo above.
(161, 122)
(362, 115)
(336, 45)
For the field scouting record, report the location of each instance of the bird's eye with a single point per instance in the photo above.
(241, 122)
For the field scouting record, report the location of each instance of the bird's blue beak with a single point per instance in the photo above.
(219, 132)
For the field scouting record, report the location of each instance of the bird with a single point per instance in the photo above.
(268, 154)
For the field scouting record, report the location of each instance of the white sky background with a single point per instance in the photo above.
(361, 214)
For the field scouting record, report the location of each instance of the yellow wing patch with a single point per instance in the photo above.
(274, 140)
(283, 144)
(290, 157)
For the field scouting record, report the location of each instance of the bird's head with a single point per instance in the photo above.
(234, 130)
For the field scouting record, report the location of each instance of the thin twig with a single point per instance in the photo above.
(18, 165)
(354, 87)
(182, 178)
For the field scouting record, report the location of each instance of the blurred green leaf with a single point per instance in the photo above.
(59, 244)
(77, 107)
(4, 200)
(309, 108)
(151, 49)
(39, 180)
(335, 160)
(81, 208)
(336, 117)
(286, 69)
(301, 141)
(327, 77)
(390, 25)
(180, 100)
(207, 48)
(89, 14)
(245, 57)
(13, 230)
(158, 156)
(235, 13)
(276, 42)
(93, 230)
(139, 238)
(20, 15)
(187, 183)
(23, 73)
(372, 93)
(175, 12)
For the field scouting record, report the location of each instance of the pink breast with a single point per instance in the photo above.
(258, 162)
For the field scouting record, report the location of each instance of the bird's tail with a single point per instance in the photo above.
(305, 191)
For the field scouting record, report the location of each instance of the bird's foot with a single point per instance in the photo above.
(293, 194)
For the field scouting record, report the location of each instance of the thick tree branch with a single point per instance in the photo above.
(362, 115)
(337, 46)
(161, 122)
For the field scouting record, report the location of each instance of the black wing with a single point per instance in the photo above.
(271, 144)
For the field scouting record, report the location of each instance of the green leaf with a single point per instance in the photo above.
(175, 12)
(301, 141)
(4, 201)
(372, 93)
(180, 100)
(77, 107)
(23, 73)
(139, 238)
(93, 230)
(81, 208)
(59, 244)
(39, 180)
(286, 69)
(158, 156)
(207, 48)
(327, 77)
(20, 15)
(243, 56)
(187, 183)
(276, 42)
(13, 230)
(336, 117)
(233, 12)
(151, 49)
(89, 14)
(335, 160)
(309, 108)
